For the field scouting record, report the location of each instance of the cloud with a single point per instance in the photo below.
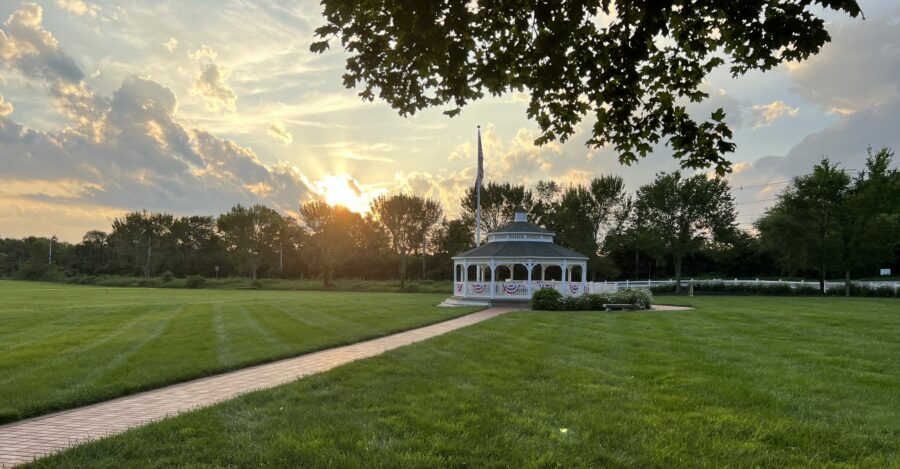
(210, 85)
(6, 108)
(127, 150)
(280, 133)
(857, 70)
(734, 115)
(204, 52)
(25, 46)
(79, 7)
(171, 44)
(843, 142)
(765, 114)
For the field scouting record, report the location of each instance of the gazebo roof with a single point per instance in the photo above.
(521, 249)
(521, 227)
(521, 239)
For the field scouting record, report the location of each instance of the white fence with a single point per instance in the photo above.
(518, 289)
(829, 285)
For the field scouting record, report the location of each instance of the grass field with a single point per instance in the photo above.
(747, 381)
(63, 346)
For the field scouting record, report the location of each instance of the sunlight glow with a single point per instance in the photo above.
(345, 190)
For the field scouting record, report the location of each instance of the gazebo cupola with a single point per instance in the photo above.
(516, 260)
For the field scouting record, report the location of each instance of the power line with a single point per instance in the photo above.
(779, 183)
(756, 201)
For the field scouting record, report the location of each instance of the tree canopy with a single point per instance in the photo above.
(408, 221)
(827, 221)
(678, 214)
(631, 66)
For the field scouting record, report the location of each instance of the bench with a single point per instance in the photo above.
(618, 307)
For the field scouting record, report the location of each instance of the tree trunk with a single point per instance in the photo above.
(147, 268)
(326, 270)
(637, 259)
(677, 274)
(402, 271)
(822, 278)
(847, 282)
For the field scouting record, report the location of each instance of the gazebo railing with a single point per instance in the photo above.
(519, 288)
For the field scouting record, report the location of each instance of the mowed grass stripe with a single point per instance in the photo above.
(741, 382)
(69, 346)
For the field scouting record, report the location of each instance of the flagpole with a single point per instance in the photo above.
(478, 194)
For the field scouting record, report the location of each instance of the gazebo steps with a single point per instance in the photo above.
(454, 301)
(458, 301)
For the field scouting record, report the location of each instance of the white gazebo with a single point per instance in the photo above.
(517, 260)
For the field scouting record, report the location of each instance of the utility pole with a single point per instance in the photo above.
(50, 252)
(424, 247)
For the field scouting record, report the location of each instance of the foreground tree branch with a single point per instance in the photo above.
(630, 65)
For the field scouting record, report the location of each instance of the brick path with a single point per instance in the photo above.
(21, 442)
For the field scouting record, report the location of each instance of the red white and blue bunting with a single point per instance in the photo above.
(510, 288)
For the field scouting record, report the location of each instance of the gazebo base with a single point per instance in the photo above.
(460, 301)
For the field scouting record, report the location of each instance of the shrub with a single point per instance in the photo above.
(575, 303)
(546, 299)
(145, 282)
(37, 270)
(640, 298)
(167, 277)
(194, 281)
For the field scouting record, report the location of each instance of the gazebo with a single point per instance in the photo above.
(515, 261)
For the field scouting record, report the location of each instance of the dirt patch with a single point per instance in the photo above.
(669, 308)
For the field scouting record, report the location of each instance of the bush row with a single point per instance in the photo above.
(548, 299)
(774, 289)
(167, 280)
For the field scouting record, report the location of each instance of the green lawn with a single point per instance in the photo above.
(63, 346)
(740, 381)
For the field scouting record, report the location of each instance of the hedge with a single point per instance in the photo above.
(548, 299)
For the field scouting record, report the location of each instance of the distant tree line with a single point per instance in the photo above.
(825, 224)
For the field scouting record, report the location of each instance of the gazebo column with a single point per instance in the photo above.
(583, 278)
(565, 277)
(465, 279)
(529, 265)
(493, 266)
(543, 271)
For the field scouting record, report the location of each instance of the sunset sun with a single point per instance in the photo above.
(345, 190)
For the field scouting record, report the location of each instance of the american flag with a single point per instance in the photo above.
(480, 175)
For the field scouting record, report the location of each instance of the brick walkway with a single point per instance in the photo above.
(21, 442)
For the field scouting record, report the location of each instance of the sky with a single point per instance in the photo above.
(193, 107)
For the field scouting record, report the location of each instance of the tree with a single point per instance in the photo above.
(873, 229)
(582, 215)
(498, 205)
(93, 253)
(408, 221)
(804, 228)
(197, 246)
(633, 65)
(680, 213)
(827, 221)
(248, 232)
(332, 230)
(137, 234)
